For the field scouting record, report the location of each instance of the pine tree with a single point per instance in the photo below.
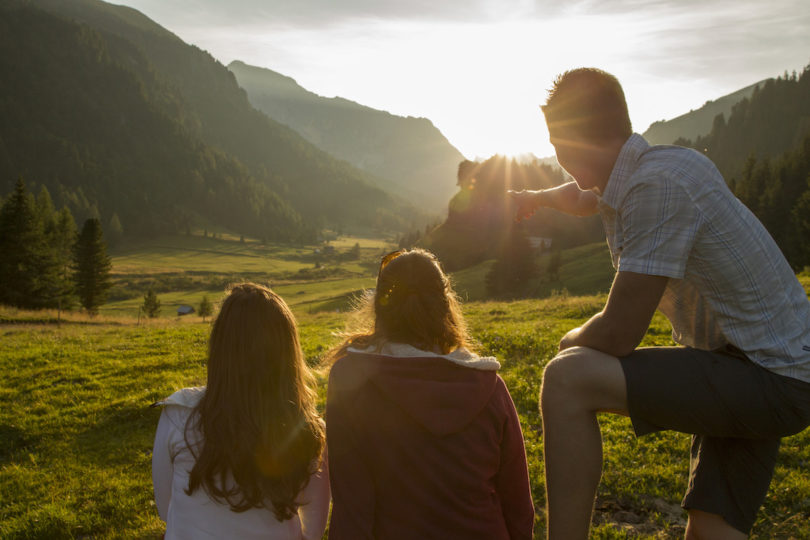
(514, 266)
(91, 266)
(151, 304)
(554, 263)
(25, 265)
(62, 238)
(206, 308)
(45, 209)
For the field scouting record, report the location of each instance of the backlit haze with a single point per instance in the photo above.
(479, 69)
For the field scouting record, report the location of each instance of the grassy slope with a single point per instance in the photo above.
(193, 266)
(583, 270)
(76, 430)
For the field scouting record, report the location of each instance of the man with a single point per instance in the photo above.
(681, 243)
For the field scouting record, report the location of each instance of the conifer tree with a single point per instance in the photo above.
(206, 308)
(91, 266)
(514, 266)
(62, 238)
(25, 264)
(151, 304)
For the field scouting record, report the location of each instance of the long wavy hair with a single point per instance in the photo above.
(413, 303)
(261, 434)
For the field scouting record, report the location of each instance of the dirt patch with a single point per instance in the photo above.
(647, 516)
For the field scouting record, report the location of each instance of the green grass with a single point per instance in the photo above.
(182, 269)
(312, 295)
(76, 428)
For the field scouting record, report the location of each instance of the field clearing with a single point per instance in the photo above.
(311, 295)
(172, 254)
(76, 428)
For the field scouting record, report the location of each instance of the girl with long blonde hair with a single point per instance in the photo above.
(244, 456)
(424, 440)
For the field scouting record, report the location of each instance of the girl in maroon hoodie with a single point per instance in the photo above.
(424, 440)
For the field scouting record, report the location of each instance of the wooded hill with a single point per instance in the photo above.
(481, 216)
(116, 115)
(696, 122)
(763, 150)
(409, 155)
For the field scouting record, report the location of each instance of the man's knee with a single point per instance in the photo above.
(583, 377)
(563, 376)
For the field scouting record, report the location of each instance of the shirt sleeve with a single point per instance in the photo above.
(353, 496)
(512, 481)
(162, 466)
(315, 498)
(659, 223)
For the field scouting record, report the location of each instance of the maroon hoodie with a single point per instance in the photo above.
(423, 448)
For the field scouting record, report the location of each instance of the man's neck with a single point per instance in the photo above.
(610, 153)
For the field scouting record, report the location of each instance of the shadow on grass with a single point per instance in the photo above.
(121, 435)
(13, 440)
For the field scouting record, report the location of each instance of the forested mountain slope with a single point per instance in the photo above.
(409, 154)
(763, 150)
(114, 114)
(697, 122)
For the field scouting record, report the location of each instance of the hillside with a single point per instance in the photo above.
(409, 155)
(133, 121)
(763, 150)
(696, 122)
(480, 216)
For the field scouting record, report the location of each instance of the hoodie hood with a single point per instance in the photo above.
(443, 393)
(185, 397)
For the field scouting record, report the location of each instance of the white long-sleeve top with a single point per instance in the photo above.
(197, 516)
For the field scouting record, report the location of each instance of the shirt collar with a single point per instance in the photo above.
(626, 165)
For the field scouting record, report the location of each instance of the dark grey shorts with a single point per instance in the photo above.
(736, 411)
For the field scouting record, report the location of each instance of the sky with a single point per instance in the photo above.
(480, 69)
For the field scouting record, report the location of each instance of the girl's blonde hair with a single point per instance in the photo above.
(413, 303)
(258, 420)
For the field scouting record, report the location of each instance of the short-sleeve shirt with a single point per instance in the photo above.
(668, 212)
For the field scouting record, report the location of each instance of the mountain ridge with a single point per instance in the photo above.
(408, 154)
(229, 145)
(698, 121)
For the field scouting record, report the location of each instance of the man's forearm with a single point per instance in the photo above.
(599, 334)
(569, 199)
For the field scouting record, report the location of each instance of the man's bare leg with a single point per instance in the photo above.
(577, 383)
(705, 526)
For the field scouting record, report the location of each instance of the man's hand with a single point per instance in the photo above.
(565, 198)
(526, 202)
(570, 339)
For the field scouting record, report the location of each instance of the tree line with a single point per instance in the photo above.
(46, 262)
(142, 125)
(763, 151)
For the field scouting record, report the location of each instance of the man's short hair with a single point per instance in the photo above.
(589, 104)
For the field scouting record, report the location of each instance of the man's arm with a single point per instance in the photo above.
(619, 327)
(566, 198)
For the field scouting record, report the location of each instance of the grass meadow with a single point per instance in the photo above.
(76, 427)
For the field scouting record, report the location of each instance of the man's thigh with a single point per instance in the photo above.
(710, 393)
(737, 412)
